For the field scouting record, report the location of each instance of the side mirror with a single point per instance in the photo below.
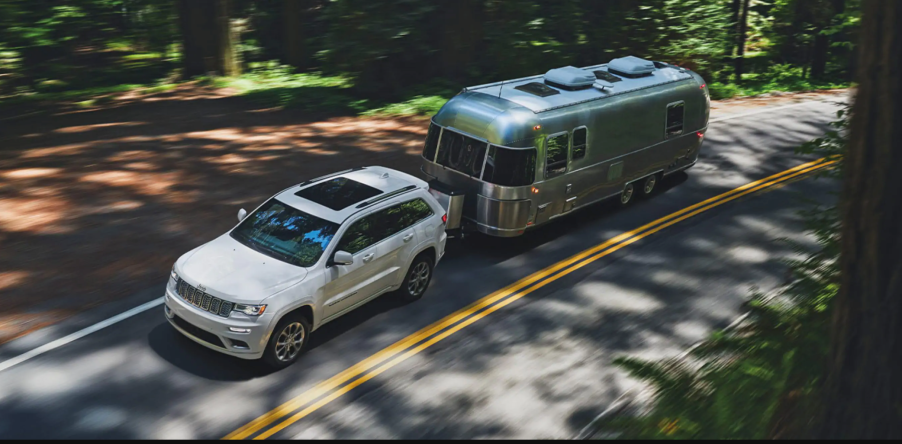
(342, 258)
(241, 214)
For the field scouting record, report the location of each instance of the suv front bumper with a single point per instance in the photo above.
(213, 332)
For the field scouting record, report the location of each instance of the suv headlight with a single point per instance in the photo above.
(173, 278)
(250, 310)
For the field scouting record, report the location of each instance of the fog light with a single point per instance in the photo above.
(239, 330)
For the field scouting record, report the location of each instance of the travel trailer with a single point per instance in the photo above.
(509, 156)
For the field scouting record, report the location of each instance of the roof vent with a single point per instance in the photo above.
(631, 66)
(570, 78)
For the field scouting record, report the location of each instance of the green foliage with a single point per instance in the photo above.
(423, 105)
(409, 54)
(695, 34)
(272, 84)
(778, 78)
(760, 379)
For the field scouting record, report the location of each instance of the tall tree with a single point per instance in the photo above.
(735, 15)
(863, 390)
(824, 15)
(207, 38)
(741, 36)
(294, 33)
(461, 35)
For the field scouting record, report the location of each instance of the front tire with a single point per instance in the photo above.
(417, 279)
(287, 341)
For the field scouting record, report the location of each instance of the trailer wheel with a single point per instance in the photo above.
(648, 185)
(627, 194)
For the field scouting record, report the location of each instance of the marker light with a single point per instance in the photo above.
(702, 87)
(535, 190)
(445, 218)
(537, 127)
(700, 134)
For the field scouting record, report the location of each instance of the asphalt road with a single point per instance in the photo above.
(538, 367)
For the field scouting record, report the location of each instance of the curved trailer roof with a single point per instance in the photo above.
(561, 97)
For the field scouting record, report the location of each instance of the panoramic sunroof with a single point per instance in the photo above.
(539, 89)
(338, 193)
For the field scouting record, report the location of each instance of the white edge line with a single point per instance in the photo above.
(761, 111)
(5, 365)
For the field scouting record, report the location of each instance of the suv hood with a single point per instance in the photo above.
(237, 273)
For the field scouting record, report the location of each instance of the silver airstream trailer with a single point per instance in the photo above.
(509, 156)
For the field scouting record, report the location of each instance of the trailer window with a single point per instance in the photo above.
(674, 120)
(580, 141)
(431, 142)
(556, 155)
(461, 153)
(510, 167)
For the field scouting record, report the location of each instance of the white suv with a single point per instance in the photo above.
(305, 257)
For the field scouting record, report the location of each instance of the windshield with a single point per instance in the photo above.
(461, 153)
(285, 233)
(510, 167)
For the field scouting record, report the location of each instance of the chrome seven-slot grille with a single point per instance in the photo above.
(202, 300)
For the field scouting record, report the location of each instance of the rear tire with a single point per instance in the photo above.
(627, 194)
(287, 341)
(648, 185)
(418, 277)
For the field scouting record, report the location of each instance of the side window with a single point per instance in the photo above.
(361, 234)
(411, 212)
(674, 125)
(382, 224)
(556, 155)
(580, 142)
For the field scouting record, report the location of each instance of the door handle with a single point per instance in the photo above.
(408, 237)
(368, 257)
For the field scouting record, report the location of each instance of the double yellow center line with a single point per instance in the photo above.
(332, 388)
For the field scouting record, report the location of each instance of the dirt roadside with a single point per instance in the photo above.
(96, 204)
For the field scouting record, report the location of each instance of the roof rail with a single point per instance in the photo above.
(385, 196)
(308, 182)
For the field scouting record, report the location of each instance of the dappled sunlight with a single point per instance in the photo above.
(14, 324)
(132, 155)
(45, 215)
(64, 150)
(30, 173)
(84, 128)
(143, 183)
(615, 298)
(11, 278)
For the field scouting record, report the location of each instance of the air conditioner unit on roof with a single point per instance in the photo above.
(631, 66)
(570, 77)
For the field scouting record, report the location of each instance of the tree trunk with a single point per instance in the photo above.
(461, 36)
(597, 35)
(819, 56)
(822, 42)
(741, 38)
(736, 9)
(208, 45)
(295, 37)
(863, 390)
